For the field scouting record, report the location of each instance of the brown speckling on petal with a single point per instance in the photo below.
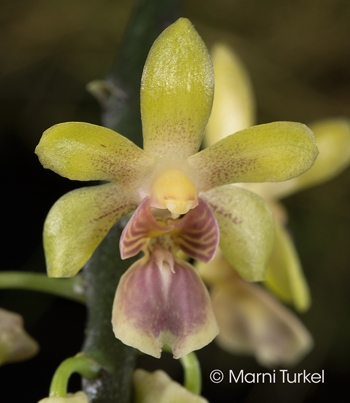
(86, 152)
(266, 153)
(79, 221)
(176, 97)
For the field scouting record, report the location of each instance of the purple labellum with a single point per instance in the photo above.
(157, 305)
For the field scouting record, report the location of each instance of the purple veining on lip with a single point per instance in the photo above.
(198, 233)
(141, 226)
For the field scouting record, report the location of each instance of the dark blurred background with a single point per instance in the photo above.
(298, 55)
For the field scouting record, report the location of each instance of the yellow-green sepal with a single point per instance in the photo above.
(246, 229)
(285, 275)
(270, 152)
(176, 92)
(84, 152)
(234, 105)
(78, 222)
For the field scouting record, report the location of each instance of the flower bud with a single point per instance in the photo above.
(15, 342)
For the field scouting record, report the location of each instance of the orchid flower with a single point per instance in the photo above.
(233, 89)
(168, 179)
(15, 342)
(250, 320)
(176, 97)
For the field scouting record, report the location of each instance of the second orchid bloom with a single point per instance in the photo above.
(183, 197)
(250, 320)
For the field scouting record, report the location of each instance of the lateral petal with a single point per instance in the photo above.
(78, 222)
(252, 322)
(176, 92)
(270, 152)
(284, 274)
(155, 306)
(84, 152)
(246, 229)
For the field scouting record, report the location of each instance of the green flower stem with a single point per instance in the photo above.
(192, 373)
(81, 364)
(71, 288)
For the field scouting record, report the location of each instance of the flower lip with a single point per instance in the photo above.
(175, 309)
(174, 191)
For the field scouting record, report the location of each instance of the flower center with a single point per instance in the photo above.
(173, 190)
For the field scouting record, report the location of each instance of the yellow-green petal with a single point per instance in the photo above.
(333, 141)
(82, 151)
(284, 275)
(234, 106)
(246, 229)
(176, 92)
(271, 152)
(78, 222)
